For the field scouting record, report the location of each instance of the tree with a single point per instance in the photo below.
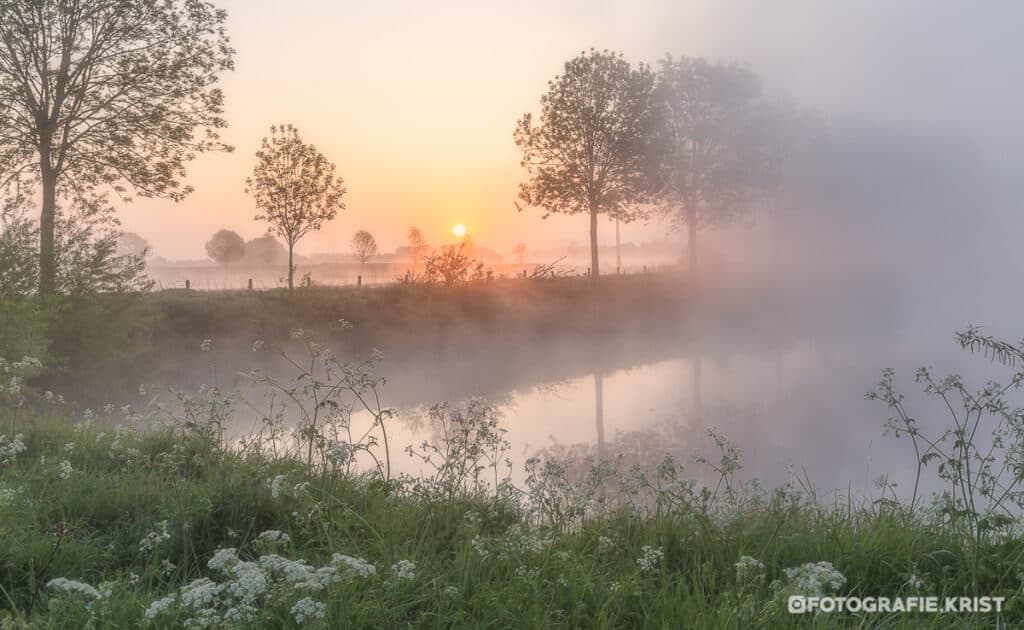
(364, 246)
(588, 154)
(417, 244)
(453, 264)
(702, 142)
(519, 251)
(105, 96)
(225, 247)
(131, 244)
(265, 250)
(295, 188)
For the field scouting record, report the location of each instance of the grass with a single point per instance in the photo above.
(479, 561)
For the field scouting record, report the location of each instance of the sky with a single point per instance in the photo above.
(416, 102)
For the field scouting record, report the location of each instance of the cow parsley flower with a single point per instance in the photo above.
(650, 558)
(158, 607)
(274, 535)
(64, 470)
(153, 540)
(748, 568)
(9, 450)
(307, 608)
(200, 593)
(74, 586)
(223, 559)
(812, 579)
(404, 570)
(361, 567)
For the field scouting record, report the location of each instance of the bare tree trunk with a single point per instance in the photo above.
(594, 270)
(618, 249)
(291, 266)
(47, 223)
(691, 224)
(599, 410)
(695, 392)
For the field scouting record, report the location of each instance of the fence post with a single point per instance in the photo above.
(359, 281)
(250, 284)
(188, 284)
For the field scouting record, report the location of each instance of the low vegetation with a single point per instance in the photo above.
(153, 515)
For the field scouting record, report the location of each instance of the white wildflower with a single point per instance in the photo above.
(650, 558)
(159, 606)
(73, 586)
(307, 608)
(748, 568)
(361, 567)
(223, 559)
(274, 535)
(812, 579)
(200, 593)
(404, 569)
(64, 469)
(152, 540)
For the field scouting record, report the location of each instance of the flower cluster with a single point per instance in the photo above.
(153, 540)
(813, 579)
(74, 586)
(10, 449)
(274, 536)
(306, 608)
(240, 588)
(748, 569)
(360, 567)
(64, 470)
(404, 570)
(650, 558)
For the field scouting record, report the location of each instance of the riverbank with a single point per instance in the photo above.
(167, 527)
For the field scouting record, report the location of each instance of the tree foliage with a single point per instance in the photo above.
(588, 153)
(707, 146)
(265, 250)
(295, 188)
(225, 247)
(105, 96)
(364, 246)
(451, 265)
(132, 244)
(417, 244)
(88, 256)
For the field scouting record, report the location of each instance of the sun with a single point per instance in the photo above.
(459, 230)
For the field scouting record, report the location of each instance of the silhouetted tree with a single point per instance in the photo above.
(131, 244)
(589, 153)
(265, 250)
(295, 188)
(704, 136)
(519, 251)
(452, 264)
(417, 244)
(364, 246)
(105, 96)
(225, 247)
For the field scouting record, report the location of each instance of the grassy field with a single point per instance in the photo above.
(109, 527)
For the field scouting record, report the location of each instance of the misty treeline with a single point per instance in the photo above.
(696, 142)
